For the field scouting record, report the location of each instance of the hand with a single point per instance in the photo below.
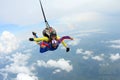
(71, 38)
(67, 49)
(31, 39)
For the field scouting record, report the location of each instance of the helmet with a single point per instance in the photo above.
(46, 32)
(53, 33)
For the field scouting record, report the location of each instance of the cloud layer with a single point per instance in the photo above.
(18, 66)
(115, 57)
(115, 44)
(8, 42)
(23, 76)
(59, 65)
(86, 54)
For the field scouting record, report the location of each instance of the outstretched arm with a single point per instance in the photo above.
(65, 37)
(63, 43)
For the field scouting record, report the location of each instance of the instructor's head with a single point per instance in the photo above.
(53, 35)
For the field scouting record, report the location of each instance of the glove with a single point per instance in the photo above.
(31, 39)
(71, 38)
(67, 49)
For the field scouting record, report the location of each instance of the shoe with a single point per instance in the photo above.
(34, 33)
(31, 39)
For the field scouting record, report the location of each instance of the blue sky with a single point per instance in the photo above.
(60, 14)
(93, 24)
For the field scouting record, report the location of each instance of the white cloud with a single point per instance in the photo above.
(115, 46)
(86, 53)
(4, 75)
(74, 42)
(19, 64)
(1, 48)
(56, 71)
(82, 17)
(79, 51)
(89, 53)
(86, 32)
(114, 43)
(82, 35)
(104, 64)
(92, 31)
(85, 57)
(29, 13)
(115, 57)
(28, 51)
(21, 12)
(61, 64)
(98, 58)
(19, 67)
(23, 76)
(8, 42)
(14, 68)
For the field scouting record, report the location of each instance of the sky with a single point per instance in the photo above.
(60, 13)
(94, 25)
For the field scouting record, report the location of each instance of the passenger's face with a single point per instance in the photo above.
(53, 37)
(54, 43)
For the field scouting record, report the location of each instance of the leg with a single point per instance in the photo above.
(35, 36)
(43, 48)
